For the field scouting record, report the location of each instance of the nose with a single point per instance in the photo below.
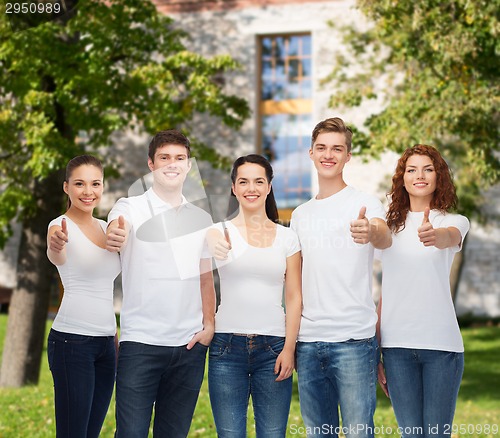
(420, 174)
(87, 189)
(328, 153)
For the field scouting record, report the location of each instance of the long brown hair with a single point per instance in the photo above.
(444, 198)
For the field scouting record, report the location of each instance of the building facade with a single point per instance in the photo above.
(286, 49)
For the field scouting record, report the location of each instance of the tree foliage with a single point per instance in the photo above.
(109, 65)
(65, 87)
(435, 66)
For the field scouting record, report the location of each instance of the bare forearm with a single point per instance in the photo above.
(380, 235)
(447, 237)
(208, 301)
(293, 315)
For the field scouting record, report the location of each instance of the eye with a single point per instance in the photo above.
(338, 150)
(181, 158)
(429, 169)
(410, 170)
(78, 184)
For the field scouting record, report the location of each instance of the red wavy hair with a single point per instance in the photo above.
(444, 198)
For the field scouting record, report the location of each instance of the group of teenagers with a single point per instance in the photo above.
(297, 297)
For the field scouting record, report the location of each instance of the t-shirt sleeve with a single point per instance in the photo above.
(374, 208)
(292, 242)
(121, 208)
(458, 221)
(56, 221)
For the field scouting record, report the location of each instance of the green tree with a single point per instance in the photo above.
(436, 67)
(103, 67)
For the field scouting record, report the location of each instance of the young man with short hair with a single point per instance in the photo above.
(166, 322)
(337, 352)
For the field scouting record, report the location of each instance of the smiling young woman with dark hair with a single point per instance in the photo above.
(252, 352)
(81, 345)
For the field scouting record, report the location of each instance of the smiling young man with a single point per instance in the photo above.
(166, 321)
(337, 351)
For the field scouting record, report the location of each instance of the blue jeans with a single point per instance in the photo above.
(338, 373)
(423, 386)
(168, 378)
(83, 369)
(240, 366)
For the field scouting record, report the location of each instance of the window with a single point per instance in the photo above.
(285, 114)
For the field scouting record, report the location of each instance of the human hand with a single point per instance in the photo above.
(116, 236)
(360, 228)
(204, 337)
(59, 238)
(426, 232)
(382, 380)
(219, 245)
(285, 363)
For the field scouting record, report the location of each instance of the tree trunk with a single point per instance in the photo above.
(30, 299)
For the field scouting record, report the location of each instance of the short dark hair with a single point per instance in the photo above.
(333, 124)
(168, 137)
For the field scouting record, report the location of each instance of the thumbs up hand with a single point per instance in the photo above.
(360, 228)
(426, 232)
(219, 245)
(59, 238)
(116, 235)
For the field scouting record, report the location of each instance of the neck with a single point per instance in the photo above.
(79, 216)
(419, 204)
(328, 187)
(251, 218)
(173, 197)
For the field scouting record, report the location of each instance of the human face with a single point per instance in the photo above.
(329, 154)
(170, 166)
(420, 178)
(84, 187)
(251, 187)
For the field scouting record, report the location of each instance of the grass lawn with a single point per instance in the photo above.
(28, 412)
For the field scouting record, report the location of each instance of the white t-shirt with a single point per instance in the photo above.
(336, 272)
(251, 284)
(87, 277)
(159, 307)
(417, 308)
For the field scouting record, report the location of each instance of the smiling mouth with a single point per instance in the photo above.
(251, 197)
(87, 200)
(327, 163)
(421, 184)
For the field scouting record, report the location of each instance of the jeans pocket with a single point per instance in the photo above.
(218, 348)
(276, 346)
(69, 338)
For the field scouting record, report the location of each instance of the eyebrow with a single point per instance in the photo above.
(171, 155)
(333, 146)
(246, 179)
(427, 165)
